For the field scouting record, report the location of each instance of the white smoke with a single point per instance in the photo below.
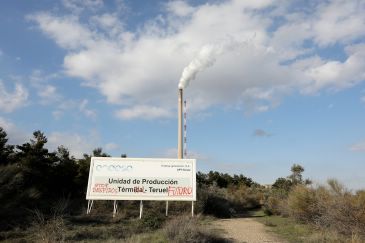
(206, 58)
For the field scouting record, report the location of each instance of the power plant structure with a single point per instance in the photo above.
(181, 139)
(180, 149)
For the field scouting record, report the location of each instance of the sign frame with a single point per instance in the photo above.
(186, 167)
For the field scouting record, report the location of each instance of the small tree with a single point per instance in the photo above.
(282, 184)
(296, 176)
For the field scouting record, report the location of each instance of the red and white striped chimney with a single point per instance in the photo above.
(180, 126)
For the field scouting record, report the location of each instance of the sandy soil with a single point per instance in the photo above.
(245, 230)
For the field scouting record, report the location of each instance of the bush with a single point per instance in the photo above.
(244, 197)
(343, 211)
(339, 213)
(219, 207)
(153, 220)
(214, 201)
(302, 204)
(276, 203)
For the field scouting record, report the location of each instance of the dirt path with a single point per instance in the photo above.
(245, 230)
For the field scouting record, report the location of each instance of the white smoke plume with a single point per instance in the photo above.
(206, 58)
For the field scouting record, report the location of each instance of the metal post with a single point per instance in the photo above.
(89, 206)
(192, 208)
(115, 210)
(167, 208)
(140, 209)
(185, 131)
(180, 126)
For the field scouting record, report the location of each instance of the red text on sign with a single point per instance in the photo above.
(180, 191)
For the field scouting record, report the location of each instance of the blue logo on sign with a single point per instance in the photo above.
(114, 168)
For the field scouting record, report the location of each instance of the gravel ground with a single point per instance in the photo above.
(245, 230)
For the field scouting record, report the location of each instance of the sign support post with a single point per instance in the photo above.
(140, 209)
(167, 208)
(89, 206)
(115, 210)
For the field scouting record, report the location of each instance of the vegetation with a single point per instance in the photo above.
(335, 213)
(42, 195)
(287, 228)
(223, 195)
(296, 232)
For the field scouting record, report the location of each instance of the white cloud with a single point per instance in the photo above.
(65, 106)
(172, 153)
(86, 111)
(109, 23)
(169, 153)
(179, 8)
(339, 75)
(358, 147)
(80, 5)
(79, 106)
(362, 99)
(111, 146)
(38, 77)
(76, 143)
(140, 70)
(143, 112)
(57, 114)
(10, 101)
(339, 21)
(7, 125)
(47, 93)
(15, 134)
(66, 31)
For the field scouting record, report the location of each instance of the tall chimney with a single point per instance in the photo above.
(180, 127)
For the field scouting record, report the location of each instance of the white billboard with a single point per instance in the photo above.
(142, 179)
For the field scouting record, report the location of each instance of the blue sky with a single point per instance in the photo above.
(277, 82)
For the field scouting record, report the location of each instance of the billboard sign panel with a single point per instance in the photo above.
(142, 179)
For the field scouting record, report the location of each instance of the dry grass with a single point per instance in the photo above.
(48, 230)
(332, 236)
(187, 229)
(99, 227)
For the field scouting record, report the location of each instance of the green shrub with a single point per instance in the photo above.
(153, 220)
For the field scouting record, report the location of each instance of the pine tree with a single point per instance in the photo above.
(36, 162)
(6, 151)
